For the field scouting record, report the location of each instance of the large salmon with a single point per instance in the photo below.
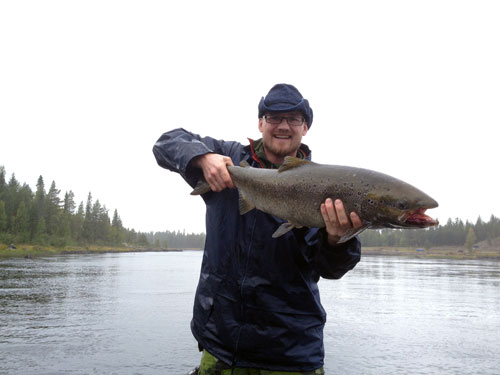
(295, 191)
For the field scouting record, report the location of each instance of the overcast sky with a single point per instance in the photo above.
(408, 88)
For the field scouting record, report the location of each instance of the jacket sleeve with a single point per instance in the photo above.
(175, 149)
(330, 262)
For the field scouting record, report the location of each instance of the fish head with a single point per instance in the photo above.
(401, 206)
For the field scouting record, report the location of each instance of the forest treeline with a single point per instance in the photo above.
(453, 233)
(177, 240)
(42, 217)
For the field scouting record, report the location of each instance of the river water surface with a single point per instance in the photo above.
(130, 314)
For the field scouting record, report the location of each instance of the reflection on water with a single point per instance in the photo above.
(95, 314)
(400, 316)
(130, 313)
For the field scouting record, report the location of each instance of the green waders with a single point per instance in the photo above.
(212, 366)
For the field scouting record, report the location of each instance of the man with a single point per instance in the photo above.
(257, 308)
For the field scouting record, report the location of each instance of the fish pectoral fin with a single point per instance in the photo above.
(285, 228)
(245, 205)
(351, 233)
(201, 187)
(292, 162)
(244, 164)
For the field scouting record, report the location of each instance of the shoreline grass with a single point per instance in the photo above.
(445, 252)
(32, 251)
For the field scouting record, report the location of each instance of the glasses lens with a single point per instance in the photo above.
(295, 121)
(292, 120)
(273, 119)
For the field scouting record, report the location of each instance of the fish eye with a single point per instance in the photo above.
(402, 204)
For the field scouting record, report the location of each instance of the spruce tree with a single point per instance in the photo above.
(69, 202)
(53, 207)
(38, 208)
(87, 234)
(21, 224)
(77, 224)
(11, 200)
(3, 217)
(3, 184)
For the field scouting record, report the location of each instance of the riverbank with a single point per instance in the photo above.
(33, 251)
(445, 252)
(480, 251)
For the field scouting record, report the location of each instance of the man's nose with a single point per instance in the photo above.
(283, 123)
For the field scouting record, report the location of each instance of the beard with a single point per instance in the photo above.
(274, 147)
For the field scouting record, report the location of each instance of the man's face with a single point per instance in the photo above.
(282, 139)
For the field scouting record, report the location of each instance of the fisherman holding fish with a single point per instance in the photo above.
(257, 307)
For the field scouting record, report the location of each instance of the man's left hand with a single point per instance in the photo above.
(337, 221)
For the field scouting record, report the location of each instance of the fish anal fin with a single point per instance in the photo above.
(245, 205)
(285, 228)
(351, 233)
(292, 162)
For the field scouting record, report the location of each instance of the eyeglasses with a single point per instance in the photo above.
(290, 120)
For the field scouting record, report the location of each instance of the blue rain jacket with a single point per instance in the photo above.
(257, 303)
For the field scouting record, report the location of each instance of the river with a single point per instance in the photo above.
(129, 314)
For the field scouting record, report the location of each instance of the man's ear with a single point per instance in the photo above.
(306, 128)
(261, 124)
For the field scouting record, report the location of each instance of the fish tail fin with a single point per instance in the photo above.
(245, 205)
(201, 187)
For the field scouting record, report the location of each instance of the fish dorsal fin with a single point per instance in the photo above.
(245, 205)
(292, 162)
(244, 164)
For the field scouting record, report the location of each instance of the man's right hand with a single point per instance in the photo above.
(214, 167)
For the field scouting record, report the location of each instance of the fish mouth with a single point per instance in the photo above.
(417, 218)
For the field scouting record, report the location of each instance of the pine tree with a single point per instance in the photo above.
(3, 217)
(117, 222)
(21, 224)
(117, 231)
(77, 224)
(88, 235)
(38, 208)
(101, 222)
(11, 200)
(69, 202)
(3, 185)
(41, 237)
(53, 207)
